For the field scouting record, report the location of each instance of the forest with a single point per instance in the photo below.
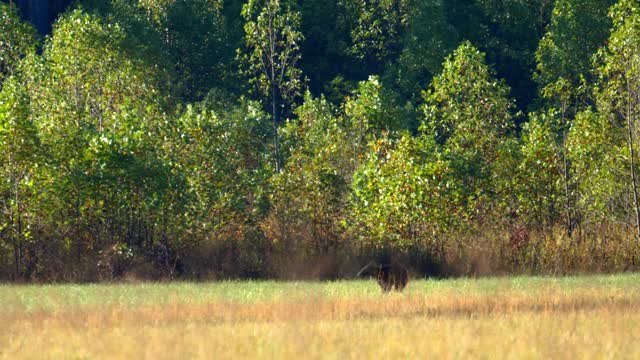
(298, 139)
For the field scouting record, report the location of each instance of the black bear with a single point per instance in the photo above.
(389, 276)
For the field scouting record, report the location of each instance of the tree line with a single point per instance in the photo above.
(204, 139)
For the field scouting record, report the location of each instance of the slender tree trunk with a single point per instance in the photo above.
(16, 258)
(634, 180)
(566, 187)
(566, 172)
(21, 244)
(632, 155)
(16, 220)
(276, 119)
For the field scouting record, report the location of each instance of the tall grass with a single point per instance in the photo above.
(508, 250)
(522, 317)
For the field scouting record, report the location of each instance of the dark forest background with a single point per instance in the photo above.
(207, 139)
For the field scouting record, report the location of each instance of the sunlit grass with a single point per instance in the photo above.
(521, 317)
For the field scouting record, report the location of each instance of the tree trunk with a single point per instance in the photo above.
(16, 222)
(566, 173)
(566, 187)
(633, 179)
(276, 119)
(632, 155)
(16, 258)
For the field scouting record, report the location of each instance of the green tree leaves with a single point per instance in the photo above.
(577, 29)
(468, 112)
(404, 195)
(465, 100)
(127, 139)
(17, 39)
(618, 92)
(272, 39)
(20, 157)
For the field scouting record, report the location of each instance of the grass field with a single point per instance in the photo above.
(586, 317)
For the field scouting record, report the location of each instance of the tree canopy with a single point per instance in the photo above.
(207, 139)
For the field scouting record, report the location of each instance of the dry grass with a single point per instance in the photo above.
(594, 317)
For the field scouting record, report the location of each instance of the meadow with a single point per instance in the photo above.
(516, 317)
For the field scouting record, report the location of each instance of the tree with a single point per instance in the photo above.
(17, 39)
(538, 171)
(577, 30)
(218, 164)
(469, 113)
(368, 112)
(428, 39)
(326, 58)
(19, 159)
(562, 93)
(618, 91)
(598, 151)
(325, 148)
(193, 33)
(404, 196)
(272, 40)
(309, 195)
(188, 39)
(97, 110)
(509, 33)
(465, 96)
(377, 34)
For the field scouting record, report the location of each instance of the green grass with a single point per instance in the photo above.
(526, 317)
(55, 297)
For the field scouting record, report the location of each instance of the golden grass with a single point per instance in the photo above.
(496, 318)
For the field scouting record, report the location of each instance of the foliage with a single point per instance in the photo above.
(616, 96)
(272, 40)
(402, 195)
(20, 156)
(273, 45)
(218, 168)
(377, 32)
(96, 117)
(368, 111)
(538, 188)
(187, 39)
(308, 196)
(563, 69)
(599, 158)
(129, 147)
(468, 112)
(17, 39)
(509, 33)
(193, 34)
(577, 29)
(430, 37)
